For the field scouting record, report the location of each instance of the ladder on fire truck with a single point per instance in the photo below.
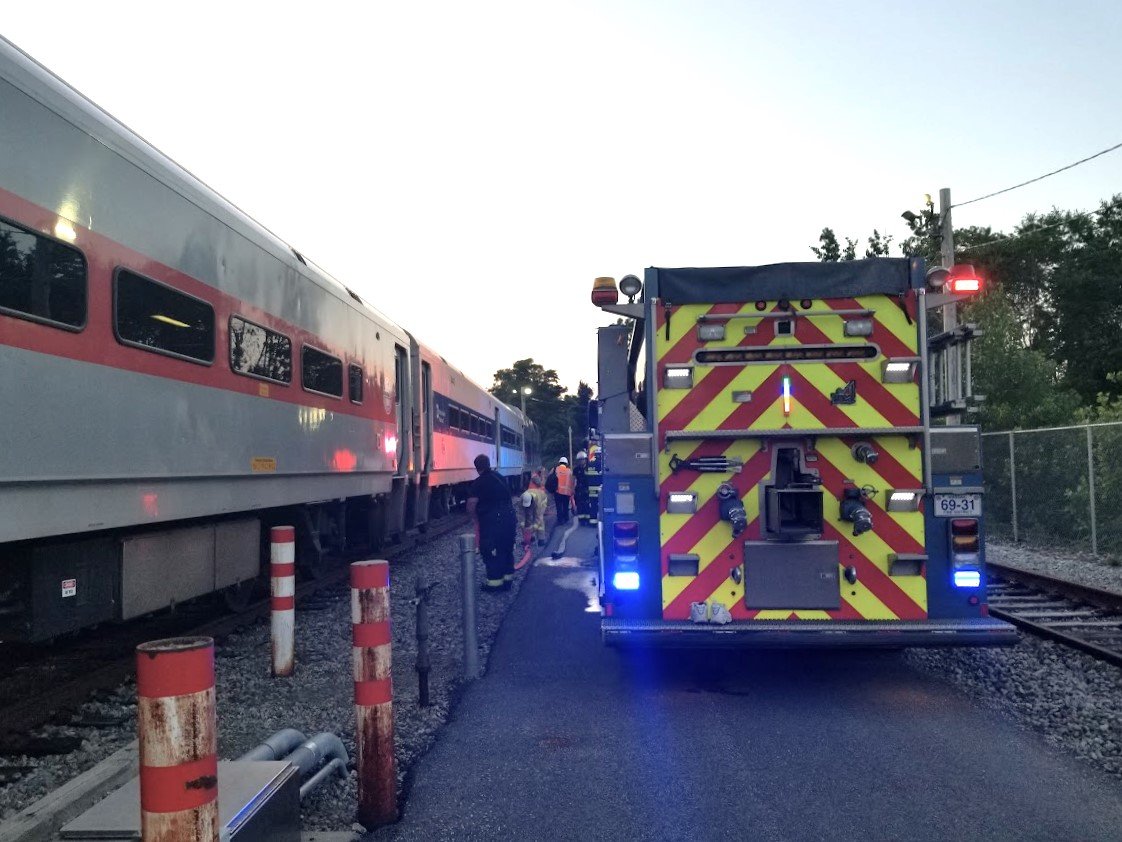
(950, 369)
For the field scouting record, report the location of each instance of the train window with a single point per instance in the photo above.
(158, 318)
(454, 417)
(354, 383)
(41, 279)
(321, 372)
(259, 352)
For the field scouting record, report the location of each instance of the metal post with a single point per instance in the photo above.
(178, 740)
(282, 591)
(1013, 483)
(953, 352)
(471, 640)
(1091, 491)
(570, 444)
(424, 663)
(373, 661)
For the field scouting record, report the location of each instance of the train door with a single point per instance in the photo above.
(427, 408)
(396, 511)
(423, 448)
(400, 397)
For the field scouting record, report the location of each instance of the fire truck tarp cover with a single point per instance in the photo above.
(794, 281)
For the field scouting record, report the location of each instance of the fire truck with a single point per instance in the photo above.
(771, 475)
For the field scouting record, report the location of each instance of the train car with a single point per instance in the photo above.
(512, 448)
(177, 378)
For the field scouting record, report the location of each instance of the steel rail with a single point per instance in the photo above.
(1063, 629)
(36, 709)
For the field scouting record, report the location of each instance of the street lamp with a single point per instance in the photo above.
(522, 393)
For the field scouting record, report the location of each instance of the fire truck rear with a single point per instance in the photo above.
(771, 475)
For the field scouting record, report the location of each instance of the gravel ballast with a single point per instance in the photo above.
(1065, 695)
(1083, 568)
(319, 697)
(1068, 697)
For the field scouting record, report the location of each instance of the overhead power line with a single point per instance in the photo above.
(1116, 203)
(1039, 177)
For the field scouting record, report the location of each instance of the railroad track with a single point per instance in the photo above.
(1076, 615)
(113, 662)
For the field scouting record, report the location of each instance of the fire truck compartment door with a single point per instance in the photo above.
(796, 575)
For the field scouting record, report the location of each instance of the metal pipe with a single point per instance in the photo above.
(424, 663)
(1054, 429)
(319, 777)
(467, 576)
(276, 746)
(373, 661)
(1013, 483)
(311, 754)
(1091, 491)
(178, 740)
(282, 590)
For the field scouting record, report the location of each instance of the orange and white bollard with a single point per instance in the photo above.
(373, 650)
(282, 590)
(178, 740)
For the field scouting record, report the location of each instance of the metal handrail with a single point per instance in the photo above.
(1053, 429)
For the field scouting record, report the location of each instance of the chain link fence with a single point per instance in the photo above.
(1056, 486)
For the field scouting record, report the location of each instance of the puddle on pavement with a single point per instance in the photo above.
(575, 575)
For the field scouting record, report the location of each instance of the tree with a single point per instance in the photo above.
(1021, 385)
(829, 250)
(1061, 274)
(1051, 311)
(546, 404)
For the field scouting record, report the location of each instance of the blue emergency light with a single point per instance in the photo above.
(967, 579)
(625, 580)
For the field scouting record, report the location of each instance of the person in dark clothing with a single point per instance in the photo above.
(489, 502)
(580, 486)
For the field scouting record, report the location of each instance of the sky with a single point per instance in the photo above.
(470, 168)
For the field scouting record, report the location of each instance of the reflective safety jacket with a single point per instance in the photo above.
(565, 483)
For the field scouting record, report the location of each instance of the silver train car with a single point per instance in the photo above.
(176, 379)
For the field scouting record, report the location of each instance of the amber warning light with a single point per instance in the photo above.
(604, 291)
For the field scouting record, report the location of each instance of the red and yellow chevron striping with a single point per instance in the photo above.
(747, 397)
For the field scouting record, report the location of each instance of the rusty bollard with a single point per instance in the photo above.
(372, 653)
(282, 590)
(178, 740)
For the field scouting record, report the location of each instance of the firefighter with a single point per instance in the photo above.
(489, 503)
(563, 490)
(595, 480)
(580, 481)
(534, 503)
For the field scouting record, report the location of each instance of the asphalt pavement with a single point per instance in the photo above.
(566, 739)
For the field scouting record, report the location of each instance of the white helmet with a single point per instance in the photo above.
(582, 455)
(527, 499)
(564, 460)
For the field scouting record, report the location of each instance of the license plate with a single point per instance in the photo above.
(958, 505)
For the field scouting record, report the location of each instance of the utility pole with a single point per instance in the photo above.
(952, 365)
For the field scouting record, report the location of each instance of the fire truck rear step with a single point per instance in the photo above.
(971, 631)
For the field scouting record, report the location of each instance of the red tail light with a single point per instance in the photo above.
(963, 279)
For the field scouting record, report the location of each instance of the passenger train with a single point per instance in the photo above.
(176, 379)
